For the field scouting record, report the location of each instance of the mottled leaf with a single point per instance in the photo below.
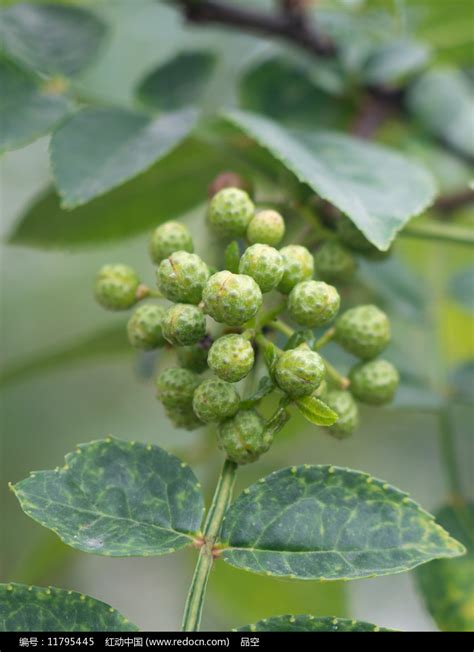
(51, 38)
(446, 585)
(98, 149)
(443, 103)
(36, 609)
(116, 498)
(462, 287)
(306, 623)
(380, 190)
(316, 411)
(329, 523)
(178, 83)
(28, 109)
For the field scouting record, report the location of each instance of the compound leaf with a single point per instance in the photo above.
(306, 623)
(316, 411)
(116, 498)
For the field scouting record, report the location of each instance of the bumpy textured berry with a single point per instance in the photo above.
(243, 437)
(363, 331)
(186, 420)
(215, 400)
(168, 238)
(182, 276)
(374, 382)
(333, 262)
(313, 303)
(298, 265)
(231, 299)
(230, 212)
(194, 357)
(144, 327)
(183, 324)
(231, 357)
(175, 388)
(116, 287)
(264, 264)
(344, 405)
(266, 227)
(299, 372)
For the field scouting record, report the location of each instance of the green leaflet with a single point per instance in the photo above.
(446, 584)
(305, 623)
(329, 523)
(179, 82)
(27, 110)
(100, 148)
(379, 189)
(316, 411)
(37, 609)
(116, 498)
(51, 39)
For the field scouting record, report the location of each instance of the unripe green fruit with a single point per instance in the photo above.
(182, 276)
(313, 303)
(264, 264)
(230, 212)
(353, 238)
(194, 357)
(175, 388)
(231, 357)
(300, 371)
(374, 382)
(343, 404)
(144, 327)
(231, 299)
(215, 400)
(266, 227)
(363, 331)
(243, 437)
(298, 265)
(116, 287)
(333, 262)
(186, 420)
(168, 238)
(183, 324)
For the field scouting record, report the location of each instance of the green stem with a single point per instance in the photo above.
(271, 314)
(197, 590)
(341, 381)
(324, 339)
(280, 326)
(440, 231)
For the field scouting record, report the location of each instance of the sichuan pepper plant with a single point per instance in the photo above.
(253, 330)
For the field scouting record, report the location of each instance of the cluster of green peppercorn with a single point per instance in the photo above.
(234, 300)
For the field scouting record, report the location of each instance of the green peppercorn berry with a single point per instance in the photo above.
(300, 371)
(175, 388)
(353, 238)
(343, 404)
(313, 303)
(333, 262)
(230, 212)
(231, 299)
(183, 324)
(298, 265)
(264, 264)
(374, 382)
(215, 400)
(231, 357)
(266, 227)
(144, 327)
(168, 238)
(182, 276)
(116, 287)
(186, 420)
(363, 331)
(194, 356)
(243, 437)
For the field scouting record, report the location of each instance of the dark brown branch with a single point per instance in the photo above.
(450, 203)
(293, 26)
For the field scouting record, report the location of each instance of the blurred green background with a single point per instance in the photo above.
(58, 388)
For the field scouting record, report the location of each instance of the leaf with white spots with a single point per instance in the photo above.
(306, 623)
(117, 498)
(37, 609)
(329, 523)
